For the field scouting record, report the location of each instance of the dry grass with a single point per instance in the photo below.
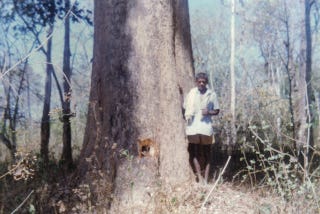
(139, 190)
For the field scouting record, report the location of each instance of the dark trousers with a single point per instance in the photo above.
(202, 152)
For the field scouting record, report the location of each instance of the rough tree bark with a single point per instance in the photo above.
(142, 62)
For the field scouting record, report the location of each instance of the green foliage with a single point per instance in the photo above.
(79, 13)
(44, 12)
(36, 12)
(32, 209)
(126, 154)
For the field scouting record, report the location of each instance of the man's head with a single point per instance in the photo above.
(202, 81)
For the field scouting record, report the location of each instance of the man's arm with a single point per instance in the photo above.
(214, 112)
(210, 112)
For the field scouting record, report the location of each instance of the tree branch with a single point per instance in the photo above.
(24, 201)
(58, 85)
(5, 141)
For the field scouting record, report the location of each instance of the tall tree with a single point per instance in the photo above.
(45, 120)
(67, 149)
(306, 142)
(36, 16)
(308, 71)
(142, 56)
(14, 85)
(13, 78)
(232, 75)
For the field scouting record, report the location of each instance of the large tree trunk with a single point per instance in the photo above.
(45, 121)
(66, 137)
(142, 62)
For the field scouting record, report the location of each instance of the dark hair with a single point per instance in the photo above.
(202, 75)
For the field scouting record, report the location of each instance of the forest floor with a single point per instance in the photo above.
(138, 191)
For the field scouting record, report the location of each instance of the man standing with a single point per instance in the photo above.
(200, 105)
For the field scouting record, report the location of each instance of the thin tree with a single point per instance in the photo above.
(232, 75)
(66, 111)
(308, 71)
(14, 85)
(309, 96)
(37, 16)
(45, 120)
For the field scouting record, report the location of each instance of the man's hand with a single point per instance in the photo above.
(189, 120)
(205, 112)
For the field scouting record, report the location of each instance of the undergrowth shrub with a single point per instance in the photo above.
(279, 168)
(269, 154)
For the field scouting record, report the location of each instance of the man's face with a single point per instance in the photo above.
(201, 83)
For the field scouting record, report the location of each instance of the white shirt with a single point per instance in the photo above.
(194, 103)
